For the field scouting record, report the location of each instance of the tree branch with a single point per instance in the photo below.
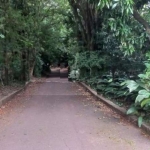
(141, 20)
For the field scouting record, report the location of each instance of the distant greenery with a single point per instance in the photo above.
(29, 29)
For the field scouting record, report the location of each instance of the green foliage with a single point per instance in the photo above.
(28, 28)
(95, 71)
(112, 88)
(132, 85)
(141, 106)
(112, 47)
(132, 110)
(88, 64)
(16, 66)
(74, 74)
(38, 66)
(125, 7)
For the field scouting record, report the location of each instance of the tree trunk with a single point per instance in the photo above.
(31, 70)
(142, 21)
(85, 15)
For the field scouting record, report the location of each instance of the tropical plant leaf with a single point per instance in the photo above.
(143, 76)
(142, 95)
(132, 85)
(2, 36)
(114, 5)
(131, 110)
(145, 101)
(144, 92)
(139, 98)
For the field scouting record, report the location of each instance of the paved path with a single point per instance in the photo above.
(58, 115)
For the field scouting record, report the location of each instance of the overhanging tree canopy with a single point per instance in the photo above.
(91, 16)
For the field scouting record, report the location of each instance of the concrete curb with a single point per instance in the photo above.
(120, 110)
(8, 98)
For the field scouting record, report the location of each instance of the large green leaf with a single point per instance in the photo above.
(132, 85)
(147, 65)
(139, 98)
(143, 76)
(145, 101)
(2, 36)
(114, 5)
(142, 95)
(132, 110)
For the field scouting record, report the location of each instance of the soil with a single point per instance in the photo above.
(6, 90)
